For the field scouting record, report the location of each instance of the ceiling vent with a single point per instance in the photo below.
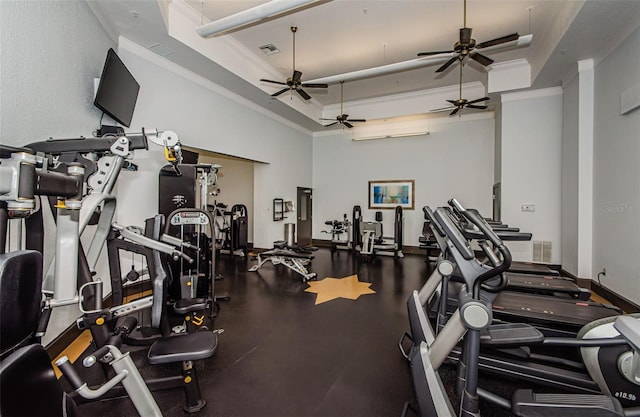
(161, 49)
(269, 49)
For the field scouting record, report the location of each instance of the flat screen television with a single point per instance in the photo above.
(118, 90)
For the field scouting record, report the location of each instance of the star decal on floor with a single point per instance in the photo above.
(332, 288)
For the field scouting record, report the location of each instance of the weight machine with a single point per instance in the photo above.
(372, 241)
(231, 229)
(185, 190)
(339, 227)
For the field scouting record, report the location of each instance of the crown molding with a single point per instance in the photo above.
(531, 94)
(153, 58)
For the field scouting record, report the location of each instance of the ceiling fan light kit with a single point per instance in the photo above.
(294, 83)
(421, 61)
(260, 12)
(465, 48)
(343, 118)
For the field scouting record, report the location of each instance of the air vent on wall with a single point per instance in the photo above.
(542, 251)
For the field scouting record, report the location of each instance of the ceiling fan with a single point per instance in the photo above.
(466, 46)
(461, 103)
(294, 83)
(342, 118)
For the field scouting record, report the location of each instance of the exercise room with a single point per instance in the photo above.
(319, 208)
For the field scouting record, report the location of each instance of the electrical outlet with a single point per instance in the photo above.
(528, 207)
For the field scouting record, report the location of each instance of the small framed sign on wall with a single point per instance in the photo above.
(387, 194)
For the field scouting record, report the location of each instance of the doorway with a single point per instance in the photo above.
(305, 214)
(497, 190)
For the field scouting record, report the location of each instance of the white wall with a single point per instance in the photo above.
(616, 228)
(531, 167)
(46, 86)
(207, 117)
(569, 248)
(454, 160)
(497, 169)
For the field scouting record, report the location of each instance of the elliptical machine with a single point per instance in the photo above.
(473, 322)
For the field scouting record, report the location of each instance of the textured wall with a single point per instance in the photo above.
(51, 53)
(616, 160)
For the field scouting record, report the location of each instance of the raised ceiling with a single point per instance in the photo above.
(339, 36)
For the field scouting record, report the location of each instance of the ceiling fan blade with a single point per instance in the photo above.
(473, 106)
(441, 109)
(314, 85)
(330, 124)
(434, 53)
(272, 82)
(327, 119)
(498, 41)
(303, 94)
(347, 124)
(478, 100)
(465, 36)
(454, 102)
(456, 110)
(357, 120)
(447, 64)
(284, 90)
(484, 60)
(297, 75)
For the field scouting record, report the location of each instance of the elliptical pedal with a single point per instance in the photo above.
(511, 334)
(527, 403)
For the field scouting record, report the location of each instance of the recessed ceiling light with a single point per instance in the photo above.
(269, 49)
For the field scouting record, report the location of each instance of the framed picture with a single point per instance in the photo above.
(389, 194)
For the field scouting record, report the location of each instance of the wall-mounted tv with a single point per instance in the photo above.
(118, 90)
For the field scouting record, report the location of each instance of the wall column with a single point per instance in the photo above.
(585, 167)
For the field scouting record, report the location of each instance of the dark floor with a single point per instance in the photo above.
(281, 355)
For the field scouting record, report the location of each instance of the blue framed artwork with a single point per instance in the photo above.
(391, 193)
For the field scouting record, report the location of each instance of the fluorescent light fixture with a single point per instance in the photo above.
(411, 64)
(254, 14)
(390, 136)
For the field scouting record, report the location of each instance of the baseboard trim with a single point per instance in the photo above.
(618, 300)
(583, 282)
(64, 339)
(408, 249)
(322, 243)
(627, 305)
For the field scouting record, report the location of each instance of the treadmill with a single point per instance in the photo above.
(522, 282)
(516, 266)
(546, 284)
(554, 316)
(506, 351)
(531, 268)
